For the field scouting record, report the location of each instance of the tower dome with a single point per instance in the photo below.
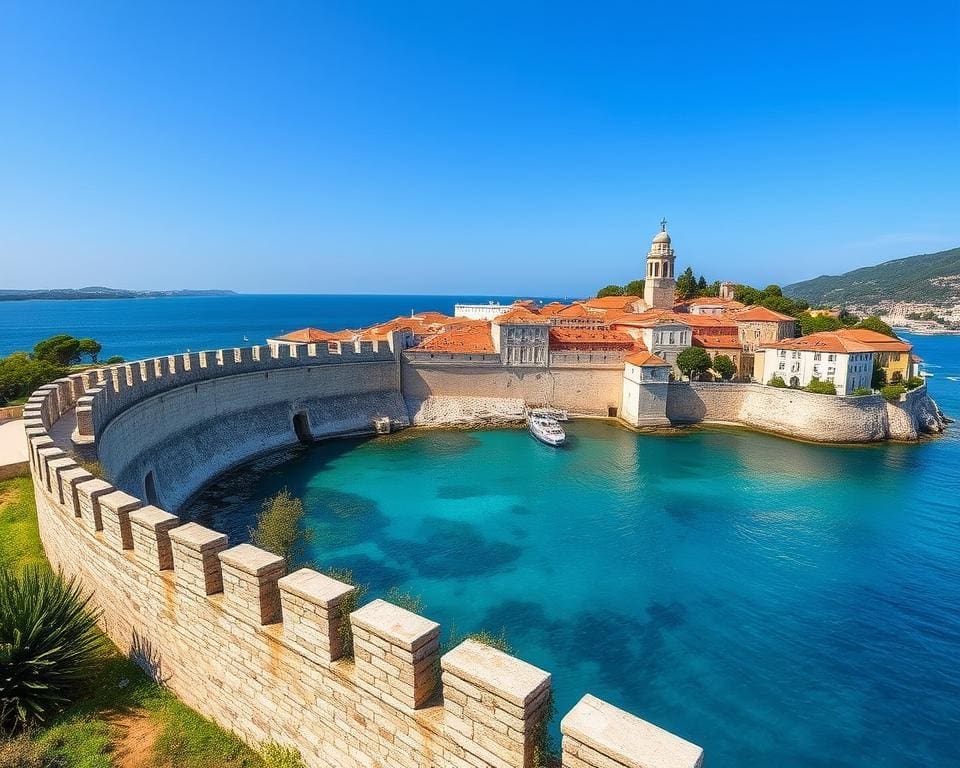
(659, 285)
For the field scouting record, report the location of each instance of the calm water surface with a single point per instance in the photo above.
(777, 603)
(139, 328)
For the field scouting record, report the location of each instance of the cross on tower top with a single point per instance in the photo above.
(663, 225)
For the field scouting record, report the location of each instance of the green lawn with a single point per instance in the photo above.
(87, 734)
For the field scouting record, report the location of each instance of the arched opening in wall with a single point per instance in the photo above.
(301, 426)
(794, 381)
(150, 489)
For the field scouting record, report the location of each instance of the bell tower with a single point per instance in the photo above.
(659, 290)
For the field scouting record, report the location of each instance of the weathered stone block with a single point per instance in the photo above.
(598, 735)
(396, 652)
(311, 612)
(250, 576)
(195, 558)
(494, 704)
(69, 480)
(55, 467)
(88, 494)
(151, 528)
(115, 509)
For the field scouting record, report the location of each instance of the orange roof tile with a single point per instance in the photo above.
(612, 302)
(432, 317)
(711, 341)
(553, 308)
(463, 339)
(647, 359)
(521, 316)
(758, 314)
(308, 336)
(843, 342)
(590, 337)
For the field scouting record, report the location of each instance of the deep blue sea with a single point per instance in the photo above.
(139, 328)
(778, 603)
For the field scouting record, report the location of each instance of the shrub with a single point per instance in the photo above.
(777, 381)
(693, 360)
(279, 528)
(861, 391)
(114, 360)
(406, 600)
(278, 756)
(878, 379)
(724, 366)
(21, 752)
(20, 375)
(892, 392)
(913, 382)
(821, 387)
(50, 647)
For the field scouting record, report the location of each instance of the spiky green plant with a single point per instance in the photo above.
(50, 646)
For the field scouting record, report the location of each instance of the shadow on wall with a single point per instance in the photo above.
(145, 656)
(684, 404)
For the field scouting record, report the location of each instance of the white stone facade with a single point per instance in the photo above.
(480, 311)
(798, 367)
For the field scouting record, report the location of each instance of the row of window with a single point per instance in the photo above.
(670, 337)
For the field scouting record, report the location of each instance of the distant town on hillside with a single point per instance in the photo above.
(99, 292)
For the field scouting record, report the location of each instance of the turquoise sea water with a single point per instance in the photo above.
(778, 603)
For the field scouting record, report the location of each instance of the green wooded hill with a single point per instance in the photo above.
(929, 277)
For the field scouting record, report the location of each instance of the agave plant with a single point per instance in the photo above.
(49, 645)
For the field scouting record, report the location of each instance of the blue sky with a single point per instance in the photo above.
(447, 147)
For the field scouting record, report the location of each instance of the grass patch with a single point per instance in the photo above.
(86, 734)
(20, 545)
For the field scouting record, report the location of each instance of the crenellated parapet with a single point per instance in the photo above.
(266, 654)
(101, 393)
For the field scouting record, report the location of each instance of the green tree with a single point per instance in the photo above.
(892, 392)
(876, 324)
(114, 360)
(20, 375)
(702, 286)
(633, 288)
(724, 366)
(91, 348)
(610, 290)
(810, 324)
(280, 529)
(692, 361)
(686, 284)
(61, 349)
(879, 377)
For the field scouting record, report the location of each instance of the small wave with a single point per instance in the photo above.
(953, 378)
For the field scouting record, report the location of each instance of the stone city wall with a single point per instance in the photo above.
(263, 653)
(586, 390)
(822, 418)
(185, 436)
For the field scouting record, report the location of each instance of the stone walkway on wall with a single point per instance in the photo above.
(13, 449)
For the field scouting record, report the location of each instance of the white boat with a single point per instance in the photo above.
(550, 413)
(546, 430)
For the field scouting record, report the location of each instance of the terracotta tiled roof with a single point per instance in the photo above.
(553, 308)
(844, 341)
(710, 341)
(758, 314)
(647, 359)
(878, 341)
(521, 316)
(612, 302)
(567, 338)
(432, 317)
(463, 339)
(651, 318)
(574, 310)
(708, 301)
(309, 336)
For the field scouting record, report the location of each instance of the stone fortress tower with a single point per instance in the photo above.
(660, 285)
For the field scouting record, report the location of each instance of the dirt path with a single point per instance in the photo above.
(137, 734)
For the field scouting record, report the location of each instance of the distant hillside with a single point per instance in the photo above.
(929, 278)
(99, 292)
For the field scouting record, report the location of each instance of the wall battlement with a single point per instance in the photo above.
(261, 651)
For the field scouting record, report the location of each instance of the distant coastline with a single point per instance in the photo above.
(99, 292)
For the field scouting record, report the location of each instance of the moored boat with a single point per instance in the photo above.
(546, 430)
